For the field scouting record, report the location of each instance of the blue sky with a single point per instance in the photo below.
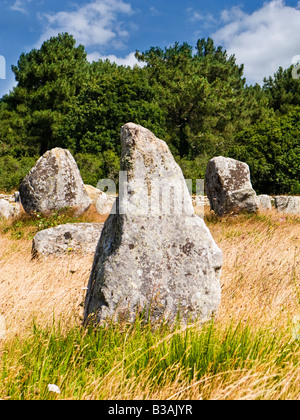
(262, 34)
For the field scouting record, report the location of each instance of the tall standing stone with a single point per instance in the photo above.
(154, 254)
(54, 183)
(228, 186)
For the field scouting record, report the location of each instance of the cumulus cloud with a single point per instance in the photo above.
(129, 60)
(96, 23)
(263, 40)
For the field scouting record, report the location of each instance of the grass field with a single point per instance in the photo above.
(251, 350)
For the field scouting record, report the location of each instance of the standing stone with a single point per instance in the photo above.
(53, 184)
(287, 204)
(228, 186)
(265, 202)
(153, 255)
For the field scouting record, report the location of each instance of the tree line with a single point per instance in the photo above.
(195, 98)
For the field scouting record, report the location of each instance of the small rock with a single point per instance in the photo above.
(104, 203)
(228, 186)
(70, 237)
(265, 202)
(287, 204)
(94, 193)
(9, 209)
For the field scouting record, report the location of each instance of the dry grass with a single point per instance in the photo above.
(260, 275)
(43, 289)
(260, 288)
(47, 288)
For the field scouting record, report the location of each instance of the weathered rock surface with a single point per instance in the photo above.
(151, 256)
(104, 203)
(287, 204)
(9, 209)
(228, 186)
(11, 198)
(265, 202)
(70, 237)
(94, 193)
(54, 183)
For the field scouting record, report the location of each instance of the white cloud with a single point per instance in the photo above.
(129, 60)
(232, 14)
(95, 23)
(264, 40)
(196, 16)
(20, 6)
(296, 59)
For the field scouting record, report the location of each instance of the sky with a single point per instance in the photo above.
(262, 35)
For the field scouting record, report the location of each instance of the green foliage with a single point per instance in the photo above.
(203, 96)
(295, 187)
(194, 99)
(272, 150)
(96, 167)
(26, 226)
(112, 97)
(283, 90)
(13, 132)
(49, 80)
(13, 170)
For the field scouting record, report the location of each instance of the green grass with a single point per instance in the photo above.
(26, 226)
(125, 361)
